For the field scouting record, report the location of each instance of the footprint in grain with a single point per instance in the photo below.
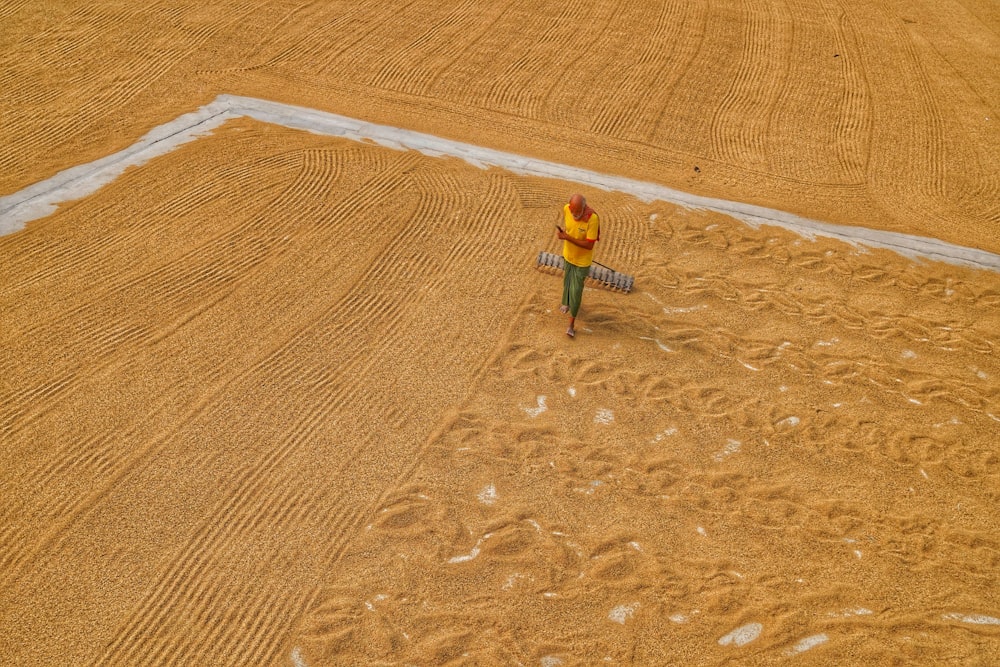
(411, 511)
(619, 561)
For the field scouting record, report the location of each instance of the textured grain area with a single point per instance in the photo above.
(877, 114)
(280, 398)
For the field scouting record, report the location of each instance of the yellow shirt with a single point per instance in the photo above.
(581, 230)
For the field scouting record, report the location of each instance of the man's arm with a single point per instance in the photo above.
(586, 244)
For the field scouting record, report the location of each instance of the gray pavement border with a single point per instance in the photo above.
(41, 199)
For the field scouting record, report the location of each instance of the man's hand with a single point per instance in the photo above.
(561, 233)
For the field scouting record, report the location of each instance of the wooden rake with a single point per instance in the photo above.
(603, 276)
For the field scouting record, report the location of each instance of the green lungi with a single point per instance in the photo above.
(573, 286)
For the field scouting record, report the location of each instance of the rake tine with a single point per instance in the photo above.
(603, 276)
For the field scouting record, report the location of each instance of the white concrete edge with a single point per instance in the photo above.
(41, 199)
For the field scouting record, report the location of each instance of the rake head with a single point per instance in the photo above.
(599, 275)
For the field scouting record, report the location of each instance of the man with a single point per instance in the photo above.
(582, 230)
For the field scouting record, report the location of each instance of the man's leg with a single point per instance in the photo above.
(577, 275)
(567, 282)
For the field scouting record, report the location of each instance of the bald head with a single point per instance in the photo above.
(577, 205)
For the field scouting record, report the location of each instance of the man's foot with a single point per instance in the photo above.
(571, 332)
(564, 309)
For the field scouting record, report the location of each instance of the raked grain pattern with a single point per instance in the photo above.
(277, 398)
(328, 420)
(873, 114)
(241, 413)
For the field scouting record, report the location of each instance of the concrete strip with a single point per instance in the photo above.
(41, 199)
